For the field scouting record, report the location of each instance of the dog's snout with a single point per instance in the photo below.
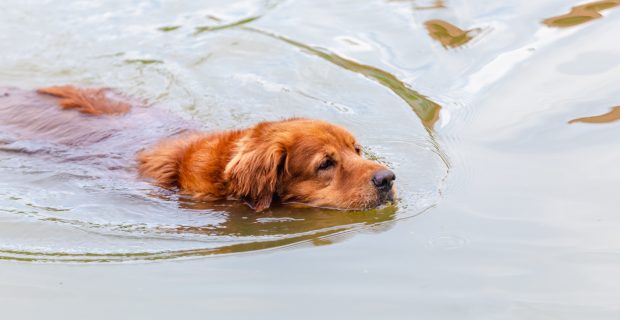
(383, 179)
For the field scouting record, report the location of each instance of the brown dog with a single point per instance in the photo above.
(303, 161)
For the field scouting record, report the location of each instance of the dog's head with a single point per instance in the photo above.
(306, 161)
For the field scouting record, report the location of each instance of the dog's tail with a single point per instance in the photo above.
(87, 101)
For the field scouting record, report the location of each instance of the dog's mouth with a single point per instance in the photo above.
(388, 196)
(364, 202)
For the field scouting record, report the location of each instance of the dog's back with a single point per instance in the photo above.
(101, 130)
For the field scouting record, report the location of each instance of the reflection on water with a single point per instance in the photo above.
(447, 34)
(284, 230)
(434, 4)
(581, 14)
(437, 4)
(610, 116)
(424, 108)
(199, 229)
(241, 22)
(283, 220)
(143, 61)
(63, 256)
(168, 28)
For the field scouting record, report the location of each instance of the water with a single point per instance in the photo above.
(508, 191)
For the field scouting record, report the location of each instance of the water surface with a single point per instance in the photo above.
(497, 117)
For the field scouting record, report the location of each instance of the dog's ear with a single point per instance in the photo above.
(254, 172)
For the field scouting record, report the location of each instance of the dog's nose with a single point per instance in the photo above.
(383, 179)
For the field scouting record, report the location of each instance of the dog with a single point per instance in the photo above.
(302, 161)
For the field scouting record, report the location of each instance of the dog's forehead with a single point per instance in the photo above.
(327, 133)
(317, 139)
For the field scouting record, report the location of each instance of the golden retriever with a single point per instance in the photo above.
(302, 161)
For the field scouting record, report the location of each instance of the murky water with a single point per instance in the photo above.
(499, 119)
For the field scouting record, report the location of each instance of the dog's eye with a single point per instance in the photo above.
(326, 164)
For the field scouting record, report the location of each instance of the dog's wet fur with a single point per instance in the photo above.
(303, 161)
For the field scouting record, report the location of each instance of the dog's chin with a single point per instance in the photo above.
(384, 198)
(377, 200)
(371, 201)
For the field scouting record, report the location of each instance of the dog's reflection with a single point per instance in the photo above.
(283, 220)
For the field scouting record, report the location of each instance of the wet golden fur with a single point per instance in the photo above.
(305, 161)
